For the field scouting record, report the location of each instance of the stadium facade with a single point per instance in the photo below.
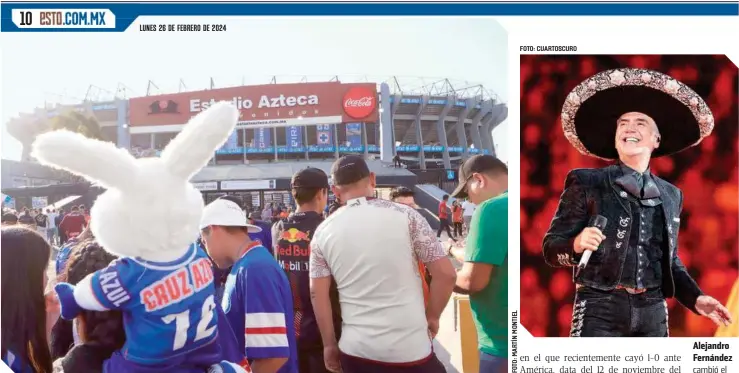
(286, 127)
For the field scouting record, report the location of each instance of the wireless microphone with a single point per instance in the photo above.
(599, 222)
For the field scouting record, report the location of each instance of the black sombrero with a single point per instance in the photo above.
(591, 110)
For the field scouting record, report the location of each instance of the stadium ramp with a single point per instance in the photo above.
(428, 197)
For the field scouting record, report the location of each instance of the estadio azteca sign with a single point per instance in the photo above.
(331, 101)
(282, 101)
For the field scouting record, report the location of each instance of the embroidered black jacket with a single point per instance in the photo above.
(590, 192)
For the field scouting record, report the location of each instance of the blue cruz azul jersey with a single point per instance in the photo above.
(169, 309)
(258, 303)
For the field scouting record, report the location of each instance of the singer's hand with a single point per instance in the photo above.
(588, 239)
(714, 310)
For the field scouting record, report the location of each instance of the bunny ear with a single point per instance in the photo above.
(191, 150)
(98, 161)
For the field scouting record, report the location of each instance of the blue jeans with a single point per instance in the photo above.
(492, 364)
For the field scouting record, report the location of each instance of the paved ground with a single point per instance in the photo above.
(447, 344)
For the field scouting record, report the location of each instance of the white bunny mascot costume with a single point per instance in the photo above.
(149, 217)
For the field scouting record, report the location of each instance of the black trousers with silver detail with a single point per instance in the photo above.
(618, 313)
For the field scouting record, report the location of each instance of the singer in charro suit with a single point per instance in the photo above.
(634, 265)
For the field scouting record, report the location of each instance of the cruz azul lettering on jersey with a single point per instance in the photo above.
(179, 285)
(114, 291)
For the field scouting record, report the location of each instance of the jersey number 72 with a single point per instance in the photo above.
(182, 324)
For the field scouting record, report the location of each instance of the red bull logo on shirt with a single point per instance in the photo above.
(297, 243)
(293, 235)
(293, 249)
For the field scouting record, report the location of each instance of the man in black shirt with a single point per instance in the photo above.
(26, 218)
(41, 222)
(291, 239)
(58, 221)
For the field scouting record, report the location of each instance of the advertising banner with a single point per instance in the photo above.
(102, 111)
(351, 149)
(286, 149)
(263, 105)
(354, 134)
(262, 138)
(324, 135)
(408, 148)
(294, 136)
(248, 184)
(8, 202)
(39, 202)
(321, 148)
(206, 185)
(232, 142)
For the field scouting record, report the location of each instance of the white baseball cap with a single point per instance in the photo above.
(226, 213)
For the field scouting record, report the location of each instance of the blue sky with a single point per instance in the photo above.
(38, 68)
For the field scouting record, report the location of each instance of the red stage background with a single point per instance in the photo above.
(707, 175)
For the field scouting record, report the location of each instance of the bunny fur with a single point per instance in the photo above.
(150, 209)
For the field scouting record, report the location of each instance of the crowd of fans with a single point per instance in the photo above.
(56, 226)
(51, 224)
(326, 283)
(707, 174)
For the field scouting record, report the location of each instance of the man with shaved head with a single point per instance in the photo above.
(626, 269)
(371, 249)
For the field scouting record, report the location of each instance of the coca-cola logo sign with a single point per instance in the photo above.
(359, 102)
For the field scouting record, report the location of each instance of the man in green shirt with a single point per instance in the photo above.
(484, 276)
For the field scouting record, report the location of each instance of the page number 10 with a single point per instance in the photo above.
(182, 324)
(26, 18)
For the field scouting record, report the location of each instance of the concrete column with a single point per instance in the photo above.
(441, 130)
(365, 143)
(336, 141)
(459, 127)
(387, 146)
(396, 103)
(500, 113)
(305, 142)
(419, 133)
(485, 108)
(242, 145)
(124, 133)
(486, 134)
(274, 142)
